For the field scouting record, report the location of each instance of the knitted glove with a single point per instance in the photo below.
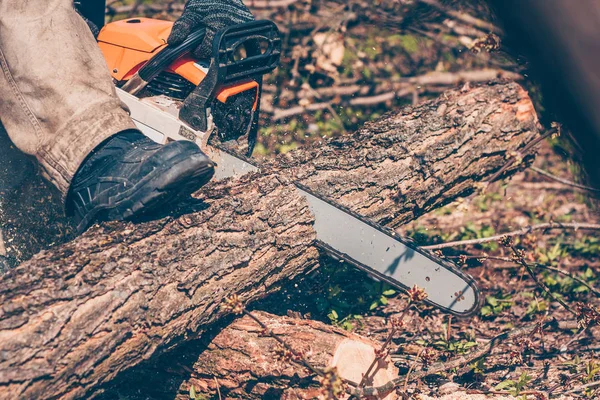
(213, 15)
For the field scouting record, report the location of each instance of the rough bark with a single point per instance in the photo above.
(241, 362)
(75, 316)
(409, 162)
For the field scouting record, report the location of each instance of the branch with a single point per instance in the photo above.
(564, 181)
(519, 157)
(76, 315)
(541, 266)
(466, 18)
(584, 387)
(520, 232)
(518, 255)
(400, 89)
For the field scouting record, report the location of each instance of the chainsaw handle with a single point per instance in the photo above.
(226, 69)
(169, 55)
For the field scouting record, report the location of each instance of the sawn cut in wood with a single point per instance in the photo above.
(74, 316)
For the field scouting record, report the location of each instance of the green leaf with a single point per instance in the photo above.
(193, 392)
(333, 315)
(373, 305)
(389, 292)
(383, 300)
(492, 301)
(580, 289)
(486, 310)
(504, 385)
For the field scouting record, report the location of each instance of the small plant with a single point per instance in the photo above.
(484, 202)
(568, 286)
(332, 386)
(350, 295)
(551, 256)
(514, 387)
(536, 307)
(586, 247)
(448, 345)
(495, 305)
(592, 369)
(347, 323)
(382, 300)
(478, 367)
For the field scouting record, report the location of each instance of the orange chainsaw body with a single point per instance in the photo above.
(128, 44)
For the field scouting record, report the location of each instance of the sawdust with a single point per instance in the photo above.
(2, 247)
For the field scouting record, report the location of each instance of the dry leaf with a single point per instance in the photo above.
(330, 51)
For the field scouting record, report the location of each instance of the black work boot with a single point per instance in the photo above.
(130, 175)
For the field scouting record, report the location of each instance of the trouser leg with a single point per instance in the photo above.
(57, 101)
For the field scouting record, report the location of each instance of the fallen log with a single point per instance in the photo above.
(79, 314)
(75, 316)
(410, 162)
(242, 362)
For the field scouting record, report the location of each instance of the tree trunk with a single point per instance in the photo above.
(242, 362)
(75, 316)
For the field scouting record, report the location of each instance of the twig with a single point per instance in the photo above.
(524, 151)
(546, 267)
(483, 257)
(378, 355)
(521, 260)
(383, 347)
(564, 384)
(583, 387)
(504, 392)
(455, 78)
(2, 246)
(256, 4)
(412, 366)
(564, 181)
(269, 3)
(520, 232)
(466, 18)
(405, 87)
(218, 387)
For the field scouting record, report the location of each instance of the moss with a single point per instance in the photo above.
(284, 148)
(409, 43)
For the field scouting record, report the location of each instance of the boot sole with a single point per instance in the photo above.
(185, 175)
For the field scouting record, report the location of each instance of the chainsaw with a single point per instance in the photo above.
(154, 80)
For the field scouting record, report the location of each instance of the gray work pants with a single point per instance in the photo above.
(57, 101)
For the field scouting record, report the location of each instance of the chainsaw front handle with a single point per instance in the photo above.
(225, 70)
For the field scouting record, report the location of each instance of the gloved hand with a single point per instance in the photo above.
(213, 15)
